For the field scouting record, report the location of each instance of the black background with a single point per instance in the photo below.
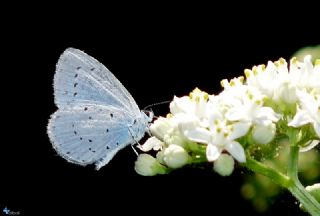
(156, 54)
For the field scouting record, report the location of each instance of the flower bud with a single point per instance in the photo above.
(263, 134)
(147, 165)
(175, 139)
(314, 190)
(159, 156)
(224, 165)
(175, 156)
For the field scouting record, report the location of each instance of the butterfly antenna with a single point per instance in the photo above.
(156, 104)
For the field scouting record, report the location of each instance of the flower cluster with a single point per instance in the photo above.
(270, 101)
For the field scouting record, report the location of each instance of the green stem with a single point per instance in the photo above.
(296, 188)
(291, 182)
(273, 174)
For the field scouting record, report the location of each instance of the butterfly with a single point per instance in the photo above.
(96, 115)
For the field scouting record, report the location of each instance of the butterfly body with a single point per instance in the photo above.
(96, 115)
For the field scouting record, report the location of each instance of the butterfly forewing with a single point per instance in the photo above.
(80, 78)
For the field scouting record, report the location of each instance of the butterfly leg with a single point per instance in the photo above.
(136, 142)
(135, 151)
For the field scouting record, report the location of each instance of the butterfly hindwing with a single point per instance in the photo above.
(88, 134)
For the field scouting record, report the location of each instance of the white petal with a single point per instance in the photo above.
(310, 146)
(301, 118)
(316, 127)
(151, 143)
(237, 151)
(307, 101)
(183, 104)
(239, 129)
(213, 152)
(236, 113)
(198, 134)
(308, 63)
(267, 113)
(190, 128)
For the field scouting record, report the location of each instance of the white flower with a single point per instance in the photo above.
(224, 165)
(190, 127)
(266, 79)
(175, 156)
(160, 127)
(263, 134)
(181, 105)
(220, 137)
(250, 109)
(147, 165)
(152, 143)
(192, 105)
(243, 103)
(304, 75)
(308, 112)
(280, 84)
(233, 91)
(224, 139)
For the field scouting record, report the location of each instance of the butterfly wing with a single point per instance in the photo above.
(80, 78)
(88, 134)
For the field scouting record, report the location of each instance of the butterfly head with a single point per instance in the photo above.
(147, 115)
